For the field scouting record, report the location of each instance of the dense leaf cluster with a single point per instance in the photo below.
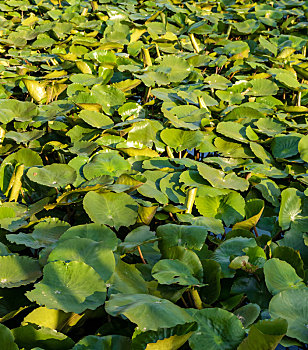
(153, 176)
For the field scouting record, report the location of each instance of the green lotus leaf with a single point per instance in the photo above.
(127, 279)
(290, 306)
(139, 236)
(96, 119)
(303, 148)
(229, 207)
(279, 276)
(112, 209)
(285, 146)
(247, 314)
(232, 247)
(70, 287)
(232, 130)
(95, 232)
(270, 126)
(216, 81)
(18, 110)
(232, 149)
(54, 175)
(181, 139)
(268, 45)
(16, 271)
(269, 190)
(245, 113)
(85, 250)
(265, 334)
(290, 208)
(7, 338)
(145, 134)
(217, 329)
(188, 257)
(147, 311)
(167, 271)
(105, 164)
(151, 189)
(30, 335)
(263, 87)
(49, 318)
(170, 186)
(86, 79)
(176, 68)
(108, 342)
(191, 237)
(211, 224)
(109, 97)
(218, 179)
(165, 338)
(292, 257)
(45, 233)
(246, 27)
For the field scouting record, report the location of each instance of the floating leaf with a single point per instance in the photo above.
(147, 311)
(279, 276)
(112, 209)
(54, 175)
(290, 306)
(71, 287)
(17, 270)
(217, 328)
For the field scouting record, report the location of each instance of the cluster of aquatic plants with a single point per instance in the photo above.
(153, 176)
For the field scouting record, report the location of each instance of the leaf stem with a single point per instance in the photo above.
(255, 231)
(17, 183)
(190, 199)
(194, 42)
(141, 255)
(184, 302)
(146, 57)
(196, 298)
(169, 152)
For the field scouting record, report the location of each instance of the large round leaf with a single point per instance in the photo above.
(181, 139)
(16, 271)
(285, 146)
(279, 276)
(54, 175)
(18, 110)
(228, 207)
(231, 247)
(147, 311)
(85, 250)
(95, 232)
(105, 164)
(45, 233)
(265, 334)
(71, 287)
(30, 335)
(192, 237)
(290, 207)
(112, 209)
(292, 306)
(218, 329)
(167, 271)
(263, 87)
(219, 179)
